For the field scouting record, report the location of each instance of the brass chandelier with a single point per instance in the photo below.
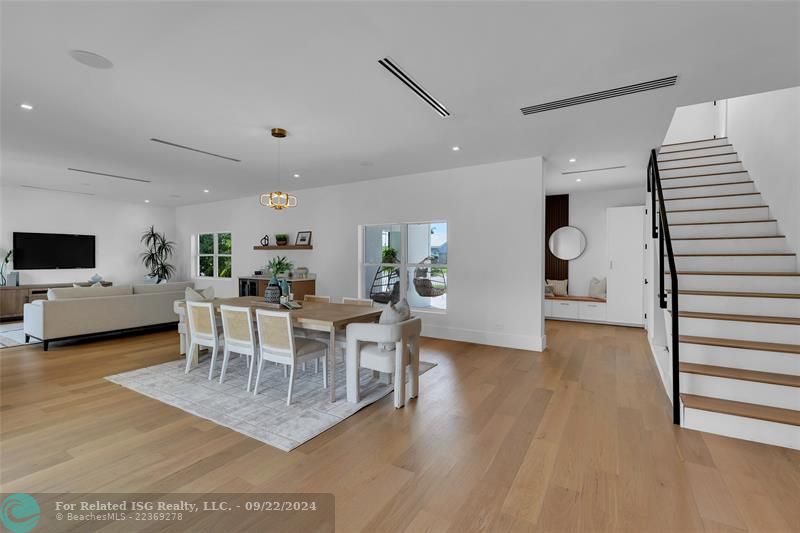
(277, 199)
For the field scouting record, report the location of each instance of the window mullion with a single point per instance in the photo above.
(403, 260)
(215, 257)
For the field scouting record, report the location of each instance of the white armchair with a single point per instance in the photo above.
(364, 351)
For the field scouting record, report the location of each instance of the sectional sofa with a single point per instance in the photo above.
(74, 312)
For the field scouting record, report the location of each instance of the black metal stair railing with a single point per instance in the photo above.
(661, 232)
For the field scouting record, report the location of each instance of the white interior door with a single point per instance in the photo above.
(625, 245)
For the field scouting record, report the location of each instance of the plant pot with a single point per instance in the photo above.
(281, 243)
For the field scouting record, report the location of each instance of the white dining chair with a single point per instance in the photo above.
(357, 301)
(366, 345)
(317, 298)
(237, 326)
(202, 332)
(278, 344)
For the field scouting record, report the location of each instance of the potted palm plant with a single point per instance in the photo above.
(159, 251)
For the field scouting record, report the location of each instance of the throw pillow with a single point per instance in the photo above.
(404, 309)
(199, 296)
(394, 314)
(559, 286)
(597, 288)
(548, 290)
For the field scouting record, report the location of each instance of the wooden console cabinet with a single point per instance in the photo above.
(13, 298)
(257, 285)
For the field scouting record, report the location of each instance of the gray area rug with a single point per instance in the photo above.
(12, 334)
(265, 417)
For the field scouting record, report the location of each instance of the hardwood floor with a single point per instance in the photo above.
(578, 438)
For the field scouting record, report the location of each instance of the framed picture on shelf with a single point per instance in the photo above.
(303, 238)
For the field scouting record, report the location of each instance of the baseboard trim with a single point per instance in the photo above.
(505, 340)
(662, 370)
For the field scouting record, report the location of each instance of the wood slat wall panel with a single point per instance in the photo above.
(556, 215)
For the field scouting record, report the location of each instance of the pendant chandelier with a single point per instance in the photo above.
(277, 199)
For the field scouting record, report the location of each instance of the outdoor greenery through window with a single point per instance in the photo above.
(214, 258)
(406, 260)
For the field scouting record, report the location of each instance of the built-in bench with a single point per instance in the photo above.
(568, 307)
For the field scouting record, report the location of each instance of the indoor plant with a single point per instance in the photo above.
(159, 250)
(281, 239)
(277, 266)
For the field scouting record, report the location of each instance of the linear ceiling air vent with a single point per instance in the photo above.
(592, 170)
(56, 190)
(601, 95)
(176, 145)
(409, 82)
(142, 180)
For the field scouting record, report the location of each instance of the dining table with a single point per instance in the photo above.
(331, 318)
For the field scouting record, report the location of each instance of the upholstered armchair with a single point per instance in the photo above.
(389, 348)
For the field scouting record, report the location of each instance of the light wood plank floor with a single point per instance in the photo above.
(577, 438)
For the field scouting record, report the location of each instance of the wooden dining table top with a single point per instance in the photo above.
(319, 314)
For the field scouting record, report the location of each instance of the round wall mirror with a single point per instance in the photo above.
(567, 243)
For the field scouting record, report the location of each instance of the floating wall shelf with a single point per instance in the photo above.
(287, 247)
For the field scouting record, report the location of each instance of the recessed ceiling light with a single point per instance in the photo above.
(456, 148)
(147, 201)
(296, 175)
(27, 107)
(205, 190)
(90, 59)
(572, 159)
(578, 180)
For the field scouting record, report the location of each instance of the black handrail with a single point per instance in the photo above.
(665, 241)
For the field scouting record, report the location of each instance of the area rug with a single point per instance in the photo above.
(12, 334)
(264, 417)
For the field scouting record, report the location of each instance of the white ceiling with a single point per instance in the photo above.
(216, 76)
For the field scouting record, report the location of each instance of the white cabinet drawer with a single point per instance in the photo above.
(595, 311)
(548, 308)
(565, 309)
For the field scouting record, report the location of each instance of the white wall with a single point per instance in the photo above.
(765, 131)
(116, 225)
(495, 243)
(696, 122)
(587, 212)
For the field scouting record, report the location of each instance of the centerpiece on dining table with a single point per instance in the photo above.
(278, 266)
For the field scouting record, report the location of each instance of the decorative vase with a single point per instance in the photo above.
(272, 294)
(284, 287)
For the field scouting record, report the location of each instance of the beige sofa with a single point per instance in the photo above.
(79, 311)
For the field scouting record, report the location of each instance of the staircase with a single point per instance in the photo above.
(739, 298)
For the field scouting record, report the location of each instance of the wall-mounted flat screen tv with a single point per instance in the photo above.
(35, 251)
